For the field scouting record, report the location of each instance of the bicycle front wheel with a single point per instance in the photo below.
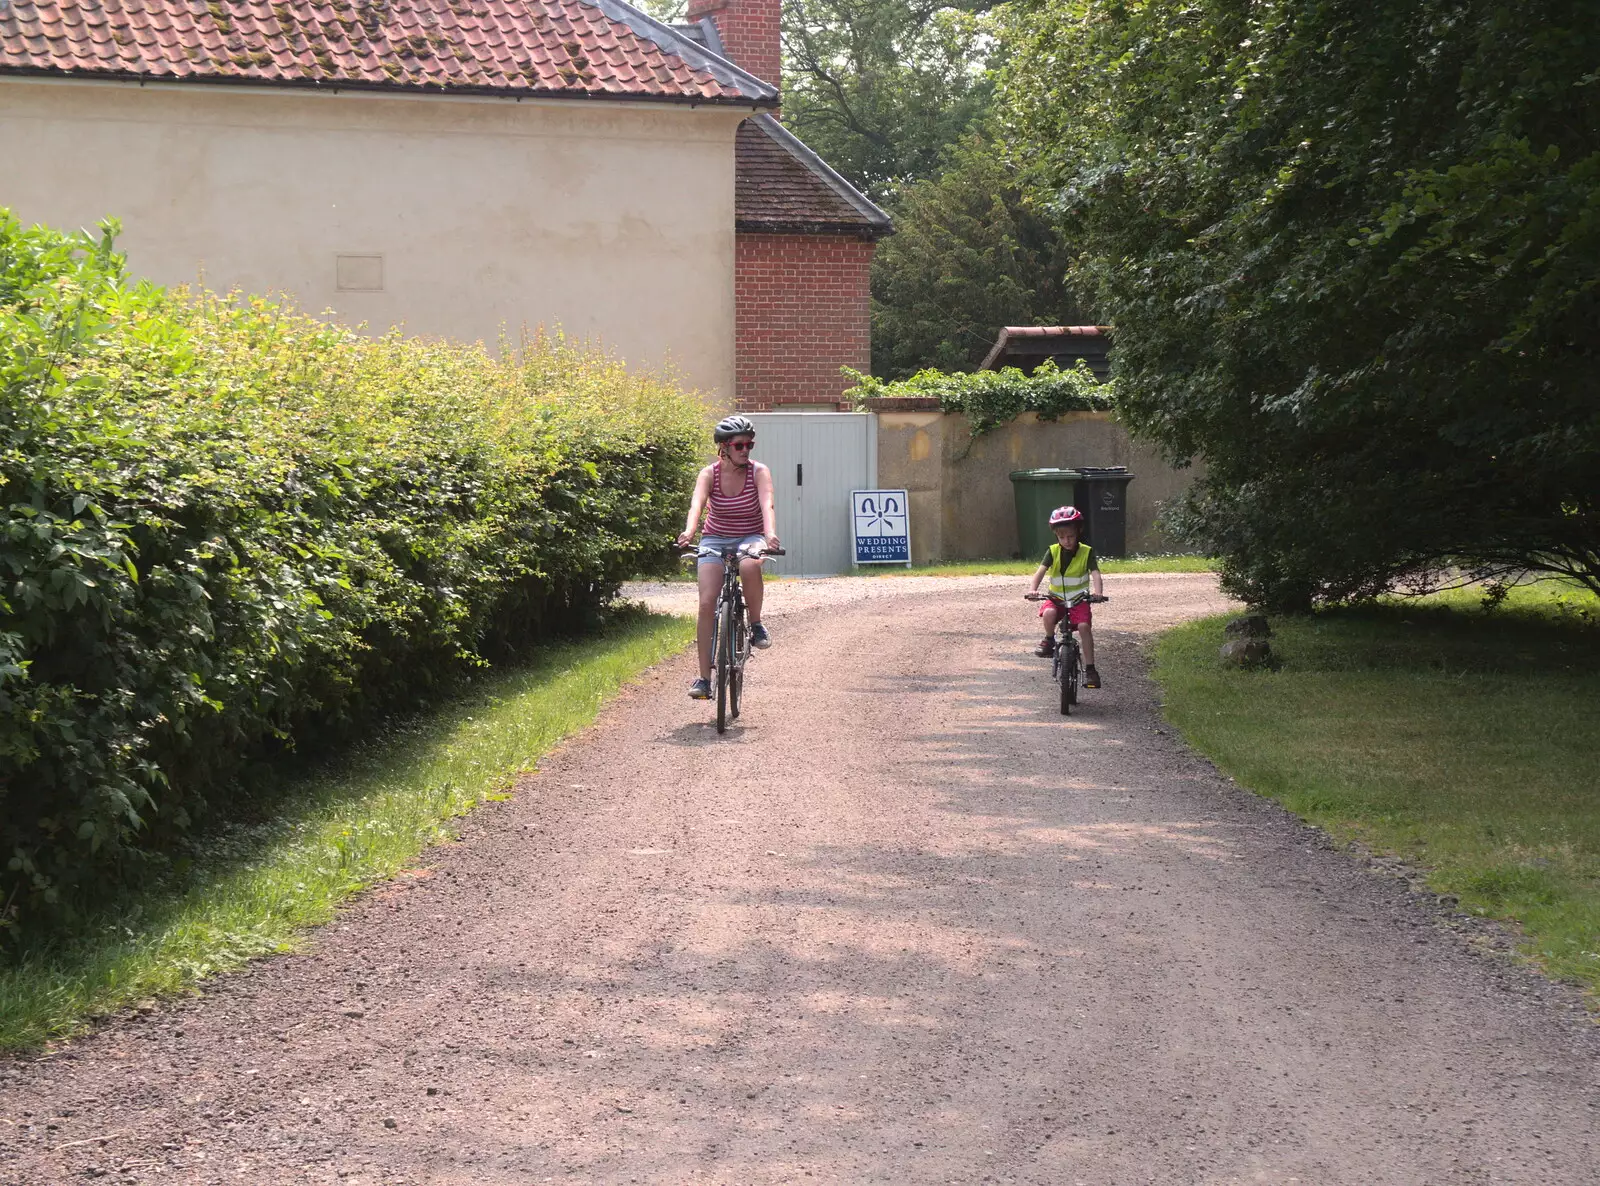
(1070, 668)
(724, 660)
(741, 652)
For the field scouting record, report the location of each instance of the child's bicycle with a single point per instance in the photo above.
(730, 635)
(1066, 667)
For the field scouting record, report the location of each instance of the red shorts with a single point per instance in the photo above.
(1077, 614)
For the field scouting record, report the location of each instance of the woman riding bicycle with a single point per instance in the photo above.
(735, 495)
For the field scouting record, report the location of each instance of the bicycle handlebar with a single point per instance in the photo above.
(694, 550)
(1095, 598)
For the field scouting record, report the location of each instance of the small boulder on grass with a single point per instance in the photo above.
(1247, 644)
(1246, 652)
(1248, 626)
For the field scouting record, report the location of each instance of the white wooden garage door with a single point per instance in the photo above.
(817, 459)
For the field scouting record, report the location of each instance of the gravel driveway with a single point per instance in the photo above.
(903, 924)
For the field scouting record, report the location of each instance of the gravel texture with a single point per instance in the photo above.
(1186, 593)
(904, 923)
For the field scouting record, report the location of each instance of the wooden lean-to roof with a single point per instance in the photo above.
(1026, 346)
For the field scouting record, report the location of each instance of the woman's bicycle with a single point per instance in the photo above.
(1067, 666)
(730, 635)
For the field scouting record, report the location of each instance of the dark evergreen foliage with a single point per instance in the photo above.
(970, 256)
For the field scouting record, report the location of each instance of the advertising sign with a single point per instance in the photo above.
(882, 524)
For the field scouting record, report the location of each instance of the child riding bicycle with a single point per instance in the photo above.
(734, 493)
(1074, 571)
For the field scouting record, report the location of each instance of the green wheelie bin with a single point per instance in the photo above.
(1037, 493)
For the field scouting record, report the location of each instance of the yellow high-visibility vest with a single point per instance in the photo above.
(1073, 582)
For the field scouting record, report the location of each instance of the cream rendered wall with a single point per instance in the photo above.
(611, 220)
(962, 506)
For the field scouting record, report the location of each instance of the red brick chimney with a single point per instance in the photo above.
(751, 32)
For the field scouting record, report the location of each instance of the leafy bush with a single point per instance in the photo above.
(989, 399)
(229, 528)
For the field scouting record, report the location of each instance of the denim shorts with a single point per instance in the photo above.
(713, 546)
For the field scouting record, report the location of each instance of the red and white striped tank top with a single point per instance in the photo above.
(734, 514)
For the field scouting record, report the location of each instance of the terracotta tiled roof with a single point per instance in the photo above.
(561, 48)
(780, 185)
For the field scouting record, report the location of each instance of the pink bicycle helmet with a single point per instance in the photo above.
(1065, 515)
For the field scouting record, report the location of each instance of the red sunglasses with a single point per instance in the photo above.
(742, 446)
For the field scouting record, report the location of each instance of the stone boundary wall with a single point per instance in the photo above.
(960, 489)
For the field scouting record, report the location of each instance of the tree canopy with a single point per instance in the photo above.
(971, 255)
(898, 97)
(1351, 252)
(879, 88)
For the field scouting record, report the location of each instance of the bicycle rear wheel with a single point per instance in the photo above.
(724, 661)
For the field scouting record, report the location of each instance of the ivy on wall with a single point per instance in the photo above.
(989, 399)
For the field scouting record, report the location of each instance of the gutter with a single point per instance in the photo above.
(855, 230)
(326, 87)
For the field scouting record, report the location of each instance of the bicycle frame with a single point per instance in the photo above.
(732, 595)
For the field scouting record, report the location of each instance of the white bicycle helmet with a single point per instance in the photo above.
(732, 426)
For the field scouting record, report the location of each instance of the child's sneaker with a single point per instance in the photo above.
(1091, 677)
(1046, 648)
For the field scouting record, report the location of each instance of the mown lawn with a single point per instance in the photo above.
(331, 835)
(1463, 740)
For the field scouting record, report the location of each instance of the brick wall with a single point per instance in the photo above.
(751, 32)
(801, 314)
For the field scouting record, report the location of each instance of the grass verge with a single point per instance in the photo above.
(1023, 568)
(1464, 741)
(337, 832)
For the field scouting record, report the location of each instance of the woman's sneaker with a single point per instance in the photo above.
(1091, 677)
(700, 690)
(759, 638)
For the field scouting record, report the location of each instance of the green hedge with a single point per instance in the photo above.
(989, 399)
(230, 529)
